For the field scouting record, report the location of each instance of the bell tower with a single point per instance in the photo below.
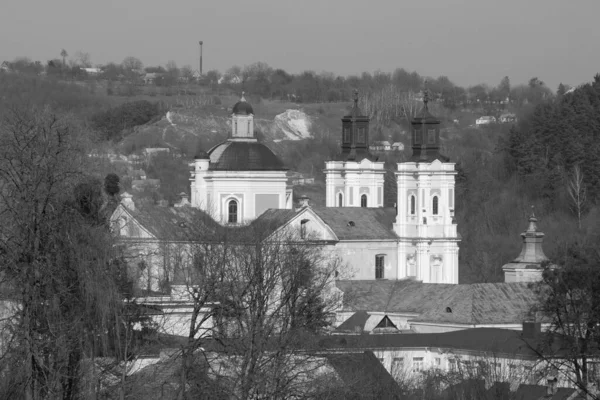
(355, 178)
(425, 224)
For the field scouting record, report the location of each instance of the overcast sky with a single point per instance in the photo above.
(470, 41)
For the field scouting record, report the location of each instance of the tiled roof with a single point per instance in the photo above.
(176, 224)
(479, 303)
(358, 223)
(364, 376)
(273, 218)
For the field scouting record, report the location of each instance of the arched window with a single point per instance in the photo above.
(363, 200)
(340, 200)
(434, 206)
(232, 208)
(413, 204)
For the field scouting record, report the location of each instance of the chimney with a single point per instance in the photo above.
(531, 329)
(184, 200)
(303, 202)
(127, 201)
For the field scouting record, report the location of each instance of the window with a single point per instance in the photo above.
(340, 200)
(248, 133)
(303, 228)
(416, 137)
(379, 264)
(397, 366)
(452, 364)
(363, 200)
(413, 204)
(417, 364)
(431, 136)
(235, 131)
(346, 135)
(232, 209)
(361, 135)
(438, 362)
(434, 206)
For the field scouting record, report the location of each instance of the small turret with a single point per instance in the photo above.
(527, 267)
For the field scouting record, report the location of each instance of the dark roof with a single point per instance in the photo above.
(479, 303)
(242, 107)
(358, 223)
(364, 376)
(505, 341)
(235, 155)
(171, 223)
(273, 219)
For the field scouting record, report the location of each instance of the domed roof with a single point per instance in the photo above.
(244, 156)
(242, 107)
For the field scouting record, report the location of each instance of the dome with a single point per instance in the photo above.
(244, 156)
(242, 107)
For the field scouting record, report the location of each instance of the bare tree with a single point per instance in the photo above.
(255, 295)
(55, 257)
(577, 192)
(82, 59)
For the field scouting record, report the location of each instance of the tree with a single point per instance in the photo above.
(577, 192)
(55, 257)
(82, 59)
(569, 300)
(111, 184)
(266, 292)
(132, 64)
(64, 56)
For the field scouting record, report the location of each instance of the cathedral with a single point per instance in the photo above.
(400, 264)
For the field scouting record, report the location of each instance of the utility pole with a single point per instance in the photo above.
(201, 43)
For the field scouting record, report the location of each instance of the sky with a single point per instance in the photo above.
(470, 41)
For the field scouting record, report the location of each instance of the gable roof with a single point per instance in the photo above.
(359, 223)
(479, 303)
(273, 219)
(170, 223)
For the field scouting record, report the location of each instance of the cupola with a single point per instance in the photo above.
(242, 121)
(355, 134)
(425, 136)
(528, 265)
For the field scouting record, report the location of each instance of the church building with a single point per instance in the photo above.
(239, 179)
(399, 264)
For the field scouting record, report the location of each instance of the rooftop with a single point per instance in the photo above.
(474, 304)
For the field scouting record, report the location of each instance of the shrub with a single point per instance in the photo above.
(114, 121)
